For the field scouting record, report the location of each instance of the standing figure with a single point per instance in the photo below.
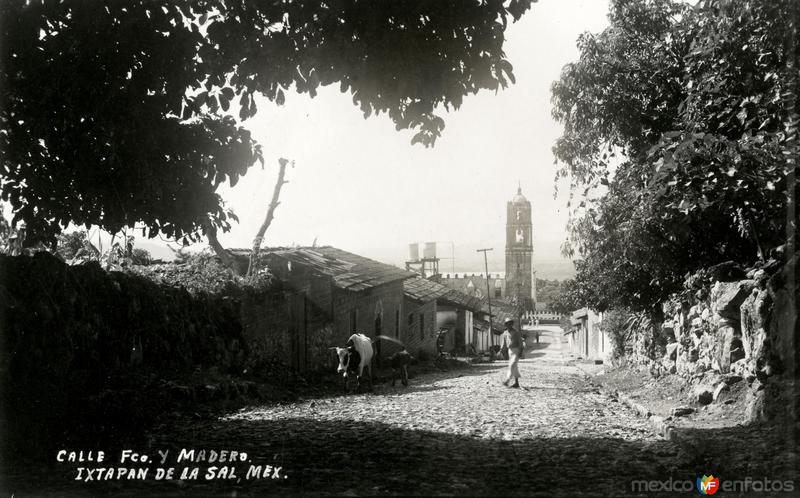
(514, 338)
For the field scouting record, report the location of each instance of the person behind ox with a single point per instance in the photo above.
(514, 341)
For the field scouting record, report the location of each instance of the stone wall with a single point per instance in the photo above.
(82, 344)
(71, 334)
(285, 328)
(731, 325)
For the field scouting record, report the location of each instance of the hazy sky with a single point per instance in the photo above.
(360, 185)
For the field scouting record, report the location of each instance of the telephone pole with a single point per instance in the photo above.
(488, 295)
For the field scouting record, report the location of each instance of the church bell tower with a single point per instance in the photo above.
(519, 251)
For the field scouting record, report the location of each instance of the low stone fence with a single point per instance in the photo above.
(729, 325)
(79, 344)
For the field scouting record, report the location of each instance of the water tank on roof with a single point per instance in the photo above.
(430, 250)
(413, 252)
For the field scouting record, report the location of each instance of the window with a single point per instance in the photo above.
(421, 326)
(397, 322)
(498, 292)
(520, 235)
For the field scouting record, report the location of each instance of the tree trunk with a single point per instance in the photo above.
(270, 215)
(224, 256)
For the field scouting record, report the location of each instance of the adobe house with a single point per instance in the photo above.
(360, 295)
(586, 337)
(434, 308)
(482, 339)
(419, 331)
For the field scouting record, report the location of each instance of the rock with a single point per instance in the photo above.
(767, 370)
(720, 390)
(704, 394)
(668, 331)
(760, 277)
(754, 410)
(731, 379)
(754, 313)
(727, 297)
(728, 271)
(725, 337)
(682, 411)
(742, 368)
(736, 350)
(697, 326)
(672, 351)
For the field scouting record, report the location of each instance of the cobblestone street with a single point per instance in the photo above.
(448, 433)
(460, 434)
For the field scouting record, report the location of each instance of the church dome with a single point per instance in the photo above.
(519, 198)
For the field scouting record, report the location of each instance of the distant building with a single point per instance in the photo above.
(542, 315)
(519, 251)
(474, 284)
(586, 338)
(435, 309)
(518, 282)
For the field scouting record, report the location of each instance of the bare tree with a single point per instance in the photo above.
(270, 215)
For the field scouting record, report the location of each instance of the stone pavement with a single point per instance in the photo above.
(450, 433)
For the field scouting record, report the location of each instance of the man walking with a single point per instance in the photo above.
(513, 338)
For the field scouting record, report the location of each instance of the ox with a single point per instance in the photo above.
(354, 357)
(399, 363)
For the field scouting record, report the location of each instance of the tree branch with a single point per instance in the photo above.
(270, 215)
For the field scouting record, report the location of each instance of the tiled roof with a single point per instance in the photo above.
(500, 311)
(347, 270)
(421, 289)
(464, 300)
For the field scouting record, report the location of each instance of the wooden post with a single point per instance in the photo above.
(488, 299)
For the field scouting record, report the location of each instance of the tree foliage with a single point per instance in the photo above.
(547, 290)
(569, 298)
(115, 112)
(684, 115)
